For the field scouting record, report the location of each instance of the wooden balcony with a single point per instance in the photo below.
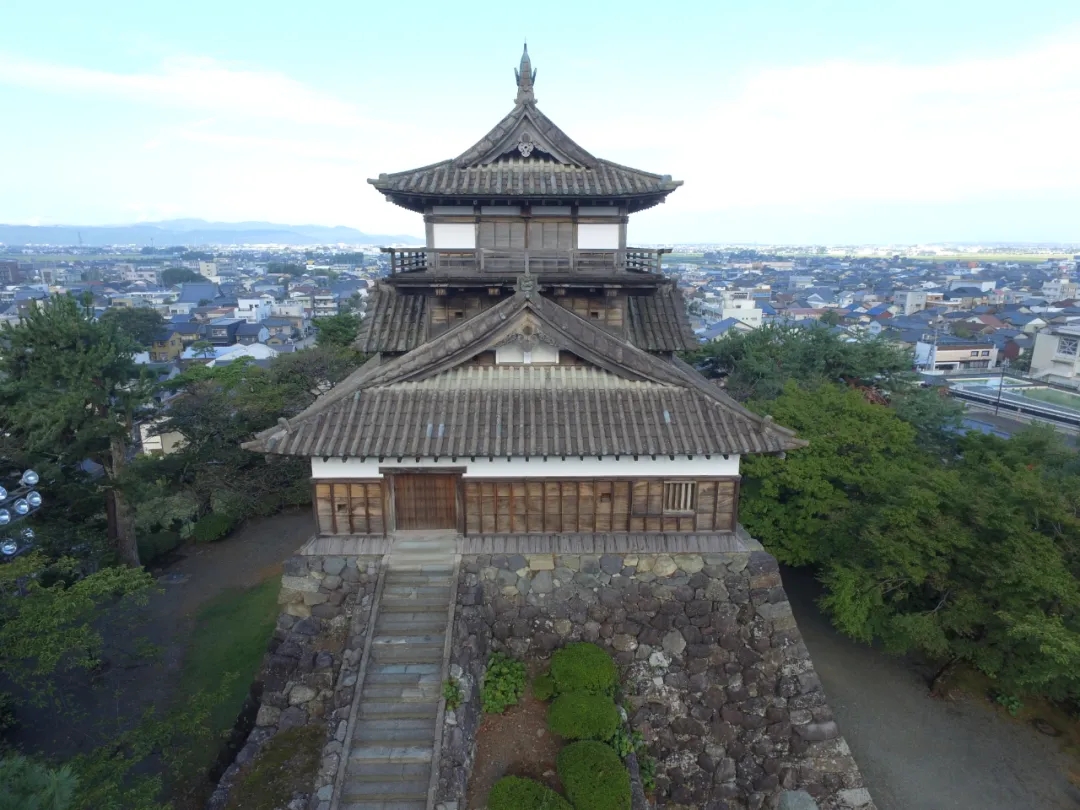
(500, 263)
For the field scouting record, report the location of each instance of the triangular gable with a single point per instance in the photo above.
(569, 331)
(525, 132)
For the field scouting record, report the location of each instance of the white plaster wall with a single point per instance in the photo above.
(454, 235)
(595, 236)
(624, 467)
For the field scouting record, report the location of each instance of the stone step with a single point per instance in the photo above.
(397, 710)
(400, 642)
(413, 679)
(410, 653)
(436, 619)
(382, 804)
(409, 591)
(413, 573)
(413, 790)
(404, 669)
(419, 693)
(389, 771)
(439, 567)
(413, 546)
(362, 753)
(395, 604)
(420, 731)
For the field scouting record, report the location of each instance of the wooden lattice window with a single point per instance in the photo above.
(680, 496)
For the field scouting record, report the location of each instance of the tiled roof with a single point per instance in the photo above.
(658, 323)
(395, 322)
(527, 155)
(500, 411)
(429, 402)
(525, 177)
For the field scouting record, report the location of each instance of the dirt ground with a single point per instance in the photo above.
(515, 743)
(922, 753)
(124, 691)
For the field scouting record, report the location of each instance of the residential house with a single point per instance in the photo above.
(955, 354)
(1055, 356)
(167, 346)
(222, 331)
(253, 310)
(248, 333)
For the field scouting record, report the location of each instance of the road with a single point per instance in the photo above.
(921, 753)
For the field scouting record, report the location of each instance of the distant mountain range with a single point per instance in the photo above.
(193, 232)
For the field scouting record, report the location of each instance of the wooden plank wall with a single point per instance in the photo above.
(448, 311)
(350, 507)
(506, 506)
(607, 311)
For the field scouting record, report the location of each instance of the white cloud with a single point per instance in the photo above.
(195, 83)
(248, 143)
(849, 131)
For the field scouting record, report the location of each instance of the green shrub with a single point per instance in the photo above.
(626, 742)
(584, 667)
(594, 777)
(158, 544)
(582, 716)
(8, 720)
(647, 771)
(212, 527)
(451, 692)
(515, 793)
(504, 683)
(543, 686)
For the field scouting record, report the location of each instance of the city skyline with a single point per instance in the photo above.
(833, 125)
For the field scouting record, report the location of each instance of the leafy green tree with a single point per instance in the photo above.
(801, 506)
(338, 330)
(68, 392)
(171, 276)
(830, 318)
(757, 364)
(141, 324)
(49, 617)
(28, 785)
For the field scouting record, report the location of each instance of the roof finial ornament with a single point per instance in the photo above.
(526, 283)
(525, 76)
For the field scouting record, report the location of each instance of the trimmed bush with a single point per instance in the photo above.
(516, 793)
(594, 777)
(583, 716)
(504, 683)
(543, 686)
(584, 667)
(212, 527)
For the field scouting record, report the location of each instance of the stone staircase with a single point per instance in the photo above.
(391, 751)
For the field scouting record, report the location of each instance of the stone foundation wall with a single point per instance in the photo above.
(310, 671)
(715, 673)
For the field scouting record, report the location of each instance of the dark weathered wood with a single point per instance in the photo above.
(426, 501)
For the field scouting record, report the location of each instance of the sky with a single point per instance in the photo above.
(804, 122)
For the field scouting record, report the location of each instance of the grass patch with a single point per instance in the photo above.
(230, 637)
(1054, 397)
(286, 765)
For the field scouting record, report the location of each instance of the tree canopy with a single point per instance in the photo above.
(141, 324)
(338, 330)
(963, 547)
(171, 276)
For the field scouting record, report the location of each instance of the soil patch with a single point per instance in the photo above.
(515, 743)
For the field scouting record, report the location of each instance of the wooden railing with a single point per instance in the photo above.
(490, 261)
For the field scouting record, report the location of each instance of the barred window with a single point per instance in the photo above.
(680, 496)
(1068, 345)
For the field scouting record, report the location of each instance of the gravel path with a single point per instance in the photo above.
(920, 753)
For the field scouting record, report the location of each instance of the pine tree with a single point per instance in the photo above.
(68, 392)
